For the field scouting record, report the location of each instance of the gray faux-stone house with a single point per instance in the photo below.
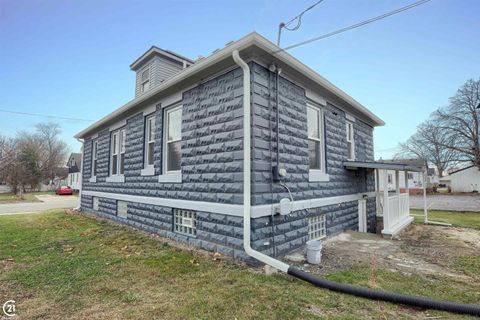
(171, 161)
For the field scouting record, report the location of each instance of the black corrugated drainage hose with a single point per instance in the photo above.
(421, 302)
(280, 265)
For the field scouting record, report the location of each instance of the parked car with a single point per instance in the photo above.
(64, 190)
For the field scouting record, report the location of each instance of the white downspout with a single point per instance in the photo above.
(247, 173)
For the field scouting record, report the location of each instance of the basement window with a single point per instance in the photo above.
(185, 221)
(317, 227)
(122, 208)
(95, 203)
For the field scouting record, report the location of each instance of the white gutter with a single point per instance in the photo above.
(252, 39)
(247, 173)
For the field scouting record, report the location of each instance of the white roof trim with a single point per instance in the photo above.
(224, 53)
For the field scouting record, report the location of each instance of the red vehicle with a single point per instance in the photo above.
(64, 190)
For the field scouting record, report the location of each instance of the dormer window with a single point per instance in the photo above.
(145, 80)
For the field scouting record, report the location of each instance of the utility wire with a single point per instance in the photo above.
(299, 21)
(299, 17)
(44, 115)
(353, 26)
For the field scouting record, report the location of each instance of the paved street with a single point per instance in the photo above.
(447, 202)
(48, 202)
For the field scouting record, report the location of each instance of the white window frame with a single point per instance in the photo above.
(149, 168)
(317, 227)
(350, 134)
(166, 141)
(143, 82)
(318, 175)
(114, 148)
(94, 158)
(117, 148)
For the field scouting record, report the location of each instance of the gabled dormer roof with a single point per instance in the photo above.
(161, 52)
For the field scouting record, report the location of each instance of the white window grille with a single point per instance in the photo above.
(122, 209)
(350, 141)
(117, 158)
(315, 138)
(145, 80)
(95, 201)
(317, 227)
(173, 139)
(149, 139)
(123, 138)
(94, 158)
(185, 221)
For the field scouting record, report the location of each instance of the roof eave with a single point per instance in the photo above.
(251, 39)
(157, 50)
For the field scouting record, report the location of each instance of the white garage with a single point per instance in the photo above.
(463, 180)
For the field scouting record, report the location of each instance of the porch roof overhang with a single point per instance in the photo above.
(355, 165)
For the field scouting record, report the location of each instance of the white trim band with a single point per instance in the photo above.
(228, 209)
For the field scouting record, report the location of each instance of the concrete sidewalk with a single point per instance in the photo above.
(447, 202)
(48, 202)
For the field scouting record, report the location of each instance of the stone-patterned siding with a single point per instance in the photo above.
(212, 166)
(294, 147)
(212, 144)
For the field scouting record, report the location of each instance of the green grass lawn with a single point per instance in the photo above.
(456, 218)
(58, 265)
(27, 197)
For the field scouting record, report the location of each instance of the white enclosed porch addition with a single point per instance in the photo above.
(394, 205)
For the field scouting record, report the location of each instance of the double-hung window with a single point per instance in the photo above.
(145, 80)
(316, 144)
(173, 139)
(350, 141)
(315, 137)
(149, 140)
(117, 159)
(94, 158)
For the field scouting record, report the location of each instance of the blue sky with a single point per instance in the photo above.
(71, 58)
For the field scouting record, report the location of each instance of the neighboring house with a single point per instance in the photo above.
(415, 179)
(463, 180)
(74, 165)
(171, 161)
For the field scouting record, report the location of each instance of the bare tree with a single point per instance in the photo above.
(426, 144)
(31, 158)
(9, 164)
(460, 121)
(54, 151)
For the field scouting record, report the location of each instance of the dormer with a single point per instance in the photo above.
(155, 66)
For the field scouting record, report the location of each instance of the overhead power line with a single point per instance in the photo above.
(44, 115)
(353, 26)
(299, 21)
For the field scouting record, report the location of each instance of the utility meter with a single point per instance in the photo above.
(285, 206)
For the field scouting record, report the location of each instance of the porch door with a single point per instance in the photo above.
(362, 215)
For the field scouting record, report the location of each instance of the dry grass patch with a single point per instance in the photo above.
(88, 268)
